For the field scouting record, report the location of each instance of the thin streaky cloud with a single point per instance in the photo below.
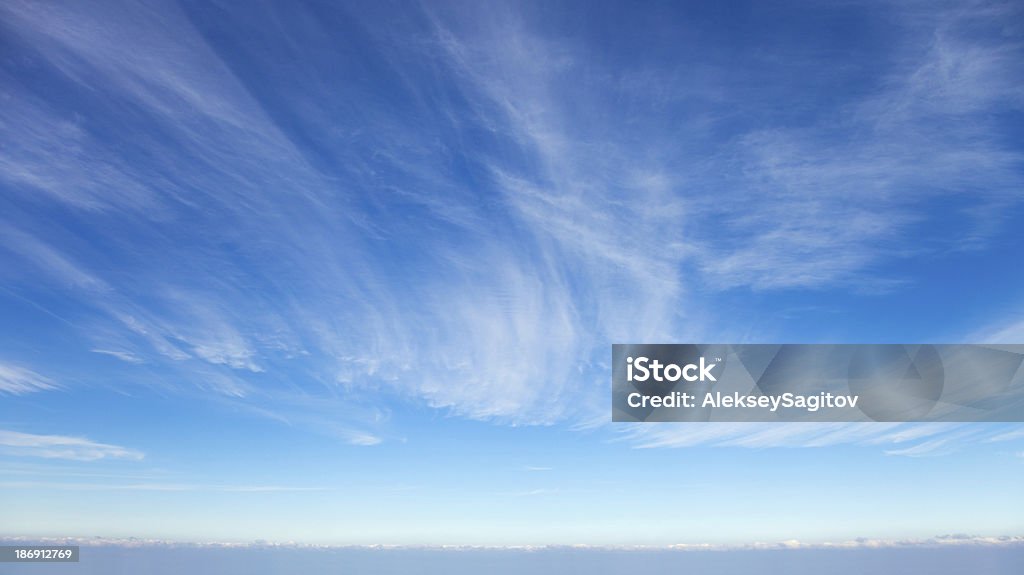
(62, 447)
(476, 240)
(17, 380)
(67, 486)
(122, 355)
(900, 439)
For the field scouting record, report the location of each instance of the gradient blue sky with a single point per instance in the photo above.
(350, 272)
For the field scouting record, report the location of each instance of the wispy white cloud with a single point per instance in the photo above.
(1003, 331)
(360, 438)
(16, 380)
(928, 448)
(927, 132)
(308, 261)
(49, 260)
(67, 486)
(62, 447)
(230, 350)
(126, 356)
(901, 439)
(1009, 435)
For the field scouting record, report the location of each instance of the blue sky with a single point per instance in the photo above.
(351, 273)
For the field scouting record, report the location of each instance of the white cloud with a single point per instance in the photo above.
(901, 439)
(17, 380)
(1011, 332)
(289, 277)
(125, 356)
(62, 447)
(231, 351)
(924, 449)
(65, 486)
(1009, 435)
(362, 439)
(50, 260)
(926, 133)
(939, 541)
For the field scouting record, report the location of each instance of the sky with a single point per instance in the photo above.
(349, 273)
